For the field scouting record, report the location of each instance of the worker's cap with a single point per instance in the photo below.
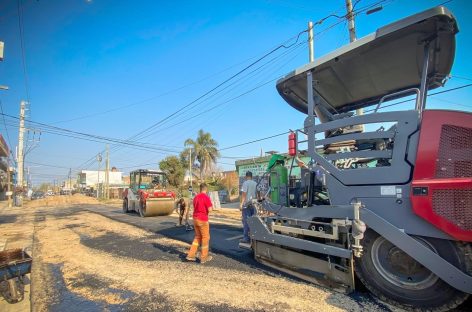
(249, 174)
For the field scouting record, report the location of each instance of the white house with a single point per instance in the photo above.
(89, 178)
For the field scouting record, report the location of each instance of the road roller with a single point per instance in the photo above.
(148, 195)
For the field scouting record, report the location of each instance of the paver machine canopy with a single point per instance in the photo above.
(396, 185)
(383, 63)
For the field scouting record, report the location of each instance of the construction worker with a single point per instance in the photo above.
(188, 227)
(181, 208)
(248, 193)
(202, 206)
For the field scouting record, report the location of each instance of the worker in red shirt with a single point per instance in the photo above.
(201, 208)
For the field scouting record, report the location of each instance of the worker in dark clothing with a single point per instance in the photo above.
(181, 206)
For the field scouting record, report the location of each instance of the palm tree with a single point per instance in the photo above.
(205, 151)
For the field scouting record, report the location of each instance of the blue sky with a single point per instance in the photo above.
(113, 68)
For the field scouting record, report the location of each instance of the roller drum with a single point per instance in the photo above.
(158, 207)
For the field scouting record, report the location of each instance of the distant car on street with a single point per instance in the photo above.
(37, 195)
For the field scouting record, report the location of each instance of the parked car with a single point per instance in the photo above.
(37, 195)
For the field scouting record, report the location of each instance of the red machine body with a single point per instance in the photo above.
(155, 194)
(442, 179)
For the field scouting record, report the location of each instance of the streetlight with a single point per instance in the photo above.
(374, 10)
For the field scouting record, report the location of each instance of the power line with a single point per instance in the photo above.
(461, 77)
(218, 105)
(254, 141)
(46, 165)
(234, 98)
(404, 101)
(153, 97)
(224, 111)
(283, 45)
(22, 46)
(91, 137)
(287, 132)
(221, 105)
(221, 83)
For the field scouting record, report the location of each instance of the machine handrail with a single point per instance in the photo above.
(382, 99)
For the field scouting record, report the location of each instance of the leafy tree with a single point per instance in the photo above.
(173, 168)
(204, 150)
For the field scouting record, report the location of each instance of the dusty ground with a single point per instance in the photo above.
(55, 201)
(84, 261)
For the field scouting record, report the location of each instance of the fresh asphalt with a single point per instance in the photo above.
(224, 233)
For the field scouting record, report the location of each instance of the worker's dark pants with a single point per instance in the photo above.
(181, 214)
(246, 213)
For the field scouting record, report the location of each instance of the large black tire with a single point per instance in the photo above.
(394, 277)
(125, 205)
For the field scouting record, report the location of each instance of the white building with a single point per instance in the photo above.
(90, 178)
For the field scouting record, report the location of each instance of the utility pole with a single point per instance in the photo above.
(107, 175)
(20, 155)
(352, 38)
(99, 158)
(350, 21)
(311, 48)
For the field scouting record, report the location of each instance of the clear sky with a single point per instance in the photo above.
(114, 68)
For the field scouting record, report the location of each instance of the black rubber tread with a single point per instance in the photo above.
(439, 297)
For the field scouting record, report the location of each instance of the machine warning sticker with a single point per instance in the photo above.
(387, 190)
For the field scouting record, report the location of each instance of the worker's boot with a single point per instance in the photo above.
(206, 259)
